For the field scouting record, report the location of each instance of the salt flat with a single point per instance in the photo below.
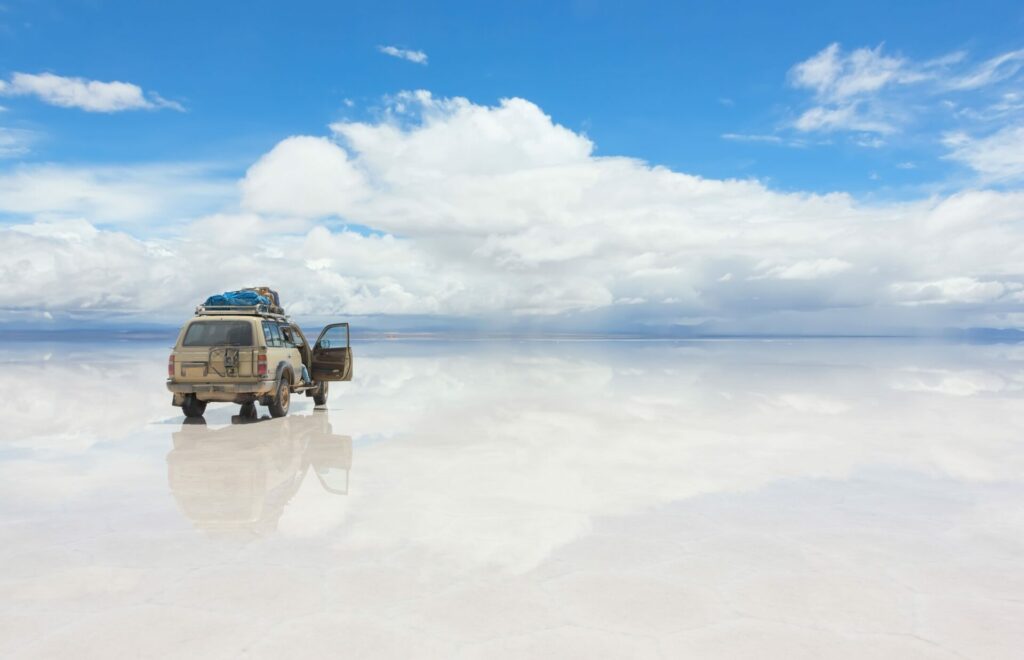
(523, 499)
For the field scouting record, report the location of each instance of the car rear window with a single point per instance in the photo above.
(218, 333)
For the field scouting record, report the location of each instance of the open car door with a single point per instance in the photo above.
(332, 354)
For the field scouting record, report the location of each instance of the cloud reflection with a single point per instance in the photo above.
(500, 454)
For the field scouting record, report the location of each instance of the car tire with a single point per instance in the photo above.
(193, 407)
(247, 411)
(320, 394)
(282, 397)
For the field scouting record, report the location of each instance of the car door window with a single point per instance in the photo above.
(286, 335)
(334, 337)
(272, 334)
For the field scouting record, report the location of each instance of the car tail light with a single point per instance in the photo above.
(261, 364)
(170, 366)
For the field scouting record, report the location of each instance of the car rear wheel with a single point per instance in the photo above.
(282, 398)
(320, 393)
(193, 407)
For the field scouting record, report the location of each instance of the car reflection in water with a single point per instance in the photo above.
(237, 480)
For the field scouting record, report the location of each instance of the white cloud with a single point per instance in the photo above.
(304, 176)
(810, 269)
(70, 265)
(834, 76)
(747, 137)
(869, 141)
(499, 213)
(417, 56)
(867, 90)
(993, 70)
(952, 290)
(88, 95)
(842, 118)
(109, 194)
(516, 136)
(841, 82)
(998, 157)
(14, 142)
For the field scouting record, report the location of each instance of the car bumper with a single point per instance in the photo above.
(236, 392)
(227, 388)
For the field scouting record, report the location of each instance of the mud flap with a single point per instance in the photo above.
(177, 399)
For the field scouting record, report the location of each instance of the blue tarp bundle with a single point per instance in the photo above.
(237, 299)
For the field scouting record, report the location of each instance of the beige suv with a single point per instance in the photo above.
(247, 355)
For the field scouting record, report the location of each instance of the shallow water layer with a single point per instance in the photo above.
(790, 499)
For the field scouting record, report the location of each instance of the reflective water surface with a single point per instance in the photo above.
(790, 499)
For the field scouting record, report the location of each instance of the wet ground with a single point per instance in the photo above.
(732, 499)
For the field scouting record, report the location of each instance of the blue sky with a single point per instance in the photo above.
(658, 81)
(892, 106)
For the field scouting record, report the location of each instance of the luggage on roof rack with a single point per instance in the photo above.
(244, 298)
(266, 292)
(257, 300)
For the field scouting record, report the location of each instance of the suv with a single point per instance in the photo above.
(251, 354)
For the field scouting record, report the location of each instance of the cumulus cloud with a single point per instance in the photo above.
(71, 266)
(499, 213)
(304, 176)
(88, 95)
(417, 56)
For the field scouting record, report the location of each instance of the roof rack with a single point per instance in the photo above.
(267, 311)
